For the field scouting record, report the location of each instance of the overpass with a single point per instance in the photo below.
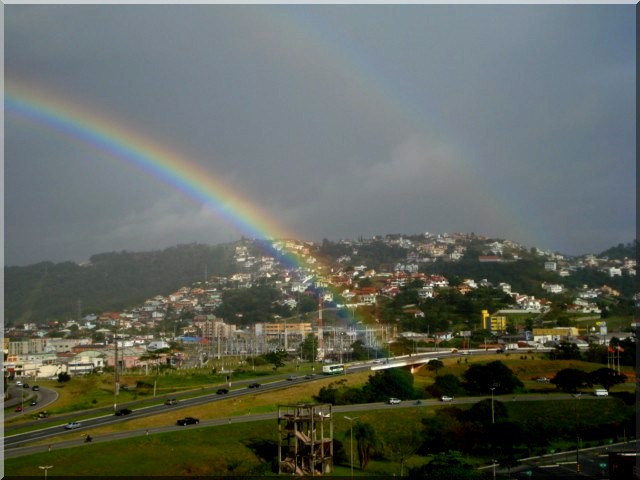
(414, 362)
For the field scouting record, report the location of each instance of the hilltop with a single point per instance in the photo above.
(118, 280)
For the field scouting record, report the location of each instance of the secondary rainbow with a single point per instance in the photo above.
(145, 154)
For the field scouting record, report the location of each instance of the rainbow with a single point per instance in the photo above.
(144, 154)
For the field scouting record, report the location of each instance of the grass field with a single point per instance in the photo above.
(235, 449)
(245, 448)
(226, 450)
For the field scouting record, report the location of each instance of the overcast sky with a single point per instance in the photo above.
(510, 121)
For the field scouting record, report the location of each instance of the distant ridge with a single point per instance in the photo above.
(118, 280)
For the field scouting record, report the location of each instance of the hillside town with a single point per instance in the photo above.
(146, 335)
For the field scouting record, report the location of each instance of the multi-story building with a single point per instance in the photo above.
(493, 323)
(276, 329)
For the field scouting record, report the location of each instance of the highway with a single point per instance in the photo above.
(54, 427)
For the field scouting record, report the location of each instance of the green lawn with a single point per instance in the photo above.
(235, 449)
(245, 449)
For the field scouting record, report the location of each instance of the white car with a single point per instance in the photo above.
(394, 401)
(446, 398)
(72, 425)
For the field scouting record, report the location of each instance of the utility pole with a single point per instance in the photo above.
(116, 384)
(351, 442)
(492, 412)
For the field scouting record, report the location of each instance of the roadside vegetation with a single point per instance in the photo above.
(418, 440)
(248, 448)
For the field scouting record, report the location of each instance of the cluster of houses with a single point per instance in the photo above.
(140, 336)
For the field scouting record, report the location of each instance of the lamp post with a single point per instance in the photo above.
(577, 439)
(351, 422)
(492, 411)
(45, 468)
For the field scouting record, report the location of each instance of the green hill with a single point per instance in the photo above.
(111, 281)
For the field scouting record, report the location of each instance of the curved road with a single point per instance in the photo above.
(104, 416)
(15, 445)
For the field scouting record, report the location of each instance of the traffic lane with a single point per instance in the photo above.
(12, 441)
(594, 462)
(19, 439)
(21, 397)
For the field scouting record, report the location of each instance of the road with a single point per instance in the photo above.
(19, 396)
(594, 463)
(17, 445)
(54, 427)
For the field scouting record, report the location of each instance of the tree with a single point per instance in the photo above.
(481, 378)
(359, 351)
(309, 348)
(565, 351)
(570, 379)
(485, 411)
(606, 377)
(401, 445)
(63, 377)
(435, 365)
(447, 384)
(366, 441)
(446, 466)
(276, 358)
(392, 382)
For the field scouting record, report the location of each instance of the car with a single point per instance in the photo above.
(72, 425)
(222, 391)
(25, 385)
(18, 383)
(254, 385)
(122, 412)
(543, 380)
(187, 421)
(394, 401)
(35, 388)
(446, 398)
(500, 350)
(292, 378)
(170, 401)
(43, 414)
(309, 377)
(18, 408)
(33, 403)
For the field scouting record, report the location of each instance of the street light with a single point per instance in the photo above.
(45, 468)
(351, 422)
(492, 412)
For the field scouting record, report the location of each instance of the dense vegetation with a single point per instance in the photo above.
(621, 251)
(117, 280)
(111, 281)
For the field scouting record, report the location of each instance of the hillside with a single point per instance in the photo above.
(110, 281)
(119, 280)
(621, 251)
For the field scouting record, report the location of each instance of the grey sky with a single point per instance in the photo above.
(511, 121)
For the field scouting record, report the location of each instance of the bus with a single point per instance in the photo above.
(335, 369)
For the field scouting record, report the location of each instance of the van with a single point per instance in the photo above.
(601, 392)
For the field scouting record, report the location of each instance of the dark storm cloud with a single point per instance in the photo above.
(514, 121)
